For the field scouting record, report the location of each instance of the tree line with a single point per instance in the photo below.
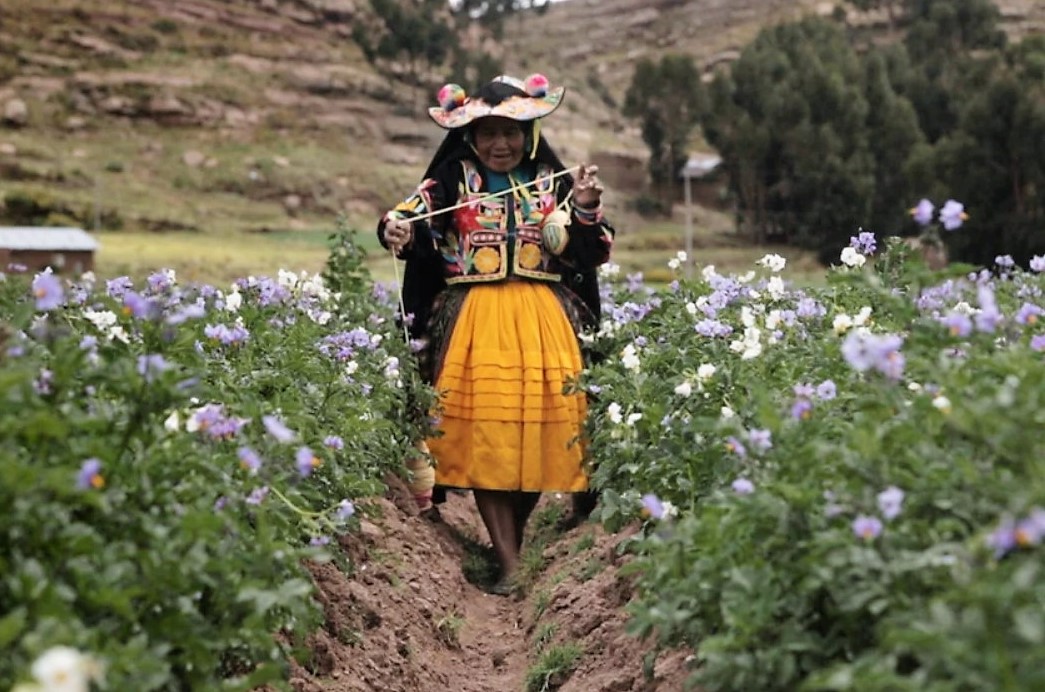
(423, 36)
(819, 139)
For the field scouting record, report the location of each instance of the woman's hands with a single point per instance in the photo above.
(398, 232)
(587, 189)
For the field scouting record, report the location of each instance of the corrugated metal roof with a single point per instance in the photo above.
(44, 238)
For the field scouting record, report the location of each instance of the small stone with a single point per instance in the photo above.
(16, 113)
(370, 530)
(292, 203)
(8, 149)
(193, 159)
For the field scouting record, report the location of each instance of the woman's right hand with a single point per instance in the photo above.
(398, 233)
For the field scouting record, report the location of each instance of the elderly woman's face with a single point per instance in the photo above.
(499, 143)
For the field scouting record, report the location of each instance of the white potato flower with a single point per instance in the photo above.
(775, 286)
(630, 358)
(842, 323)
(234, 300)
(173, 422)
(64, 669)
(773, 262)
(851, 258)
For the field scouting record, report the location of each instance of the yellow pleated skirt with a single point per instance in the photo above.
(505, 422)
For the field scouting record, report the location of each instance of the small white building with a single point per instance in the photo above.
(65, 250)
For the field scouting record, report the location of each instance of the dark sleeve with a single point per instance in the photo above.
(423, 276)
(590, 235)
(431, 195)
(590, 242)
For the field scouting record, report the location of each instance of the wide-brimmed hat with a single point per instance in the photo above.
(504, 96)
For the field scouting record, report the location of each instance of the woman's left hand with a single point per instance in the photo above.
(587, 189)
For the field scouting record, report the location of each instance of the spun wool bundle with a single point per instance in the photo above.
(553, 231)
(422, 476)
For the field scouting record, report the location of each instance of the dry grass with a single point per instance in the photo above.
(221, 258)
(214, 259)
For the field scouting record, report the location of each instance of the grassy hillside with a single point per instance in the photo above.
(238, 130)
(225, 136)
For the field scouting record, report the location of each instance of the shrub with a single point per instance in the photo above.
(857, 472)
(152, 516)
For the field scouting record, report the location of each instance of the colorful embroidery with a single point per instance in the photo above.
(487, 260)
(529, 256)
(480, 252)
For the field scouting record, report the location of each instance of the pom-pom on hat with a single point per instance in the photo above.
(451, 96)
(504, 96)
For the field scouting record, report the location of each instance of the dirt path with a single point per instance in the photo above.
(405, 618)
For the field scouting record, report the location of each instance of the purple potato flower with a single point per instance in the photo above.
(952, 215)
(345, 509)
(150, 365)
(864, 243)
(923, 212)
(249, 459)
(306, 461)
(742, 486)
(802, 409)
(275, 427)
(1028, 314)
(1003, 538)
(90, 475)
(867, 528)
(957, 323)
(47, 290)
(826, 390)
(652, 505)
(760, 440)
(257, 495)
(890, 502)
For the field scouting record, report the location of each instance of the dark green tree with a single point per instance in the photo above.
(492, 14)
(416, 34)
(892, 8)
(666, 97)
(994, 161)
(941, 38)
(893, 135)
(791, 125)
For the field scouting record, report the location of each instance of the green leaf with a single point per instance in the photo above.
(12, 625)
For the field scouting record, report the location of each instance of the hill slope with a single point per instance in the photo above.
(230, 117)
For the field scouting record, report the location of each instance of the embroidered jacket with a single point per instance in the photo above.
(477, 244)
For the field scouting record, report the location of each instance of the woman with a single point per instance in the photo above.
(498, 290)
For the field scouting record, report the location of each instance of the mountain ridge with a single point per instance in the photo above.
(248, 115)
